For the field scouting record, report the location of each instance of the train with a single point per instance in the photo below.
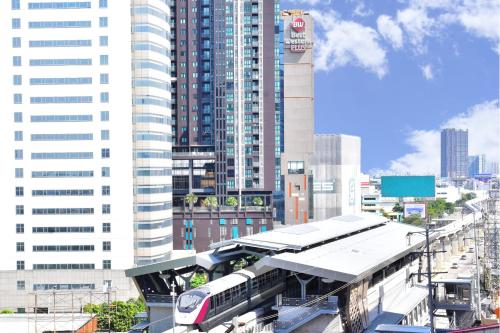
(232, 295)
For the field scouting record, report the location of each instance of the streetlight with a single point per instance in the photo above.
(478, 277)
(165, 278)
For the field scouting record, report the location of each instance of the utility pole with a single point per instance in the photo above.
(478, 276)
(109, 308)
(429, 278)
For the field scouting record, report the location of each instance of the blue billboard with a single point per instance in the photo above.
(408, 186)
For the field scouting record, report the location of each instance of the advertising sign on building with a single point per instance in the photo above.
(415, 209)
(297, 40)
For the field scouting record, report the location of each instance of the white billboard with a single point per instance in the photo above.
(415, 209)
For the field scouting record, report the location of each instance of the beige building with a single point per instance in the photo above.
(298, 116)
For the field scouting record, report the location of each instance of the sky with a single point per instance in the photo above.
(395, 72)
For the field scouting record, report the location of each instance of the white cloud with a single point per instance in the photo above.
(361, 10)
(427, 71)
(417, 25)
(341, 42)
(390, 31)
(483, 123)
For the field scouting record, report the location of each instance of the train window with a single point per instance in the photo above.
(189, 301)
(212, 303)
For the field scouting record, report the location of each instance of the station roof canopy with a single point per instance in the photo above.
(354, 257)
(301, 236)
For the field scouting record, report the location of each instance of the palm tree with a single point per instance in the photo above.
(191, 199)
(210, 202)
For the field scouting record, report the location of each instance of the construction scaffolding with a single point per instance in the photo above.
(48, 310)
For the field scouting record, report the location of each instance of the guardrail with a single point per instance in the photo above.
(329, 304)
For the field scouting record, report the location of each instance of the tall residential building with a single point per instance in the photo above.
(454, 153)
(86, 153)
(298, 117)
(477, 165)
(226, 98)
(337, 175)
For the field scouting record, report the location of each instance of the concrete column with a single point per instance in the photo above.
(461, 245)
(303, 286)
(454, 244)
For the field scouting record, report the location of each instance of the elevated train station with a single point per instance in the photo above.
(362, 270)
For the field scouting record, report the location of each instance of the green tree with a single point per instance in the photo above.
(210, 202)
(257, 201)
(6, 311)
(397, 208)
(198, 279)
(191, 199)
(118, 315)
(414, 219)
(232, 202)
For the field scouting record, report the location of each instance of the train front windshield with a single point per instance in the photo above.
(189, 301)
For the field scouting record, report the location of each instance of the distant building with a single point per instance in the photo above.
(298, 117)
(477, 165)
(337, 176)
(493, 168)
(454, 153)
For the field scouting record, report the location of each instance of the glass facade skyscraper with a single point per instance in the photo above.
(454, 153)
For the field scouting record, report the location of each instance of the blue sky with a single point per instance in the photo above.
(395, 72)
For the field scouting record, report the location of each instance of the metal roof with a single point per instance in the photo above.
(355, 256)
(186, 259)
(301, 236)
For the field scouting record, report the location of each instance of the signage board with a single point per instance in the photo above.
(296, 41)
(408, 186)
(415, 209)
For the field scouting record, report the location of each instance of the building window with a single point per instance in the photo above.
(103, 40)
(106, 190)
(106, 264)
(18, 98)
(106, 209)
(104, 78)
(105, 172)
(104, 134)
(21, 285)
(20, 247)
(18, 154)
(16, 42)
(106, 246)
(17, 80)
(105, 153)
(106, 227)
(19, 172)
(104, 97)
(18, 117)
(16, 4)
(20, 265)
(296, 167)
(103, 22)
(19, 228)
(104, 115)
(18, 136)
(104, 59)
(19, 191)
(103, 3)
(16, 23)
(16, 61)
(19, 209)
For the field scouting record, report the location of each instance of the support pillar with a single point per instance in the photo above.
(303, 286)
